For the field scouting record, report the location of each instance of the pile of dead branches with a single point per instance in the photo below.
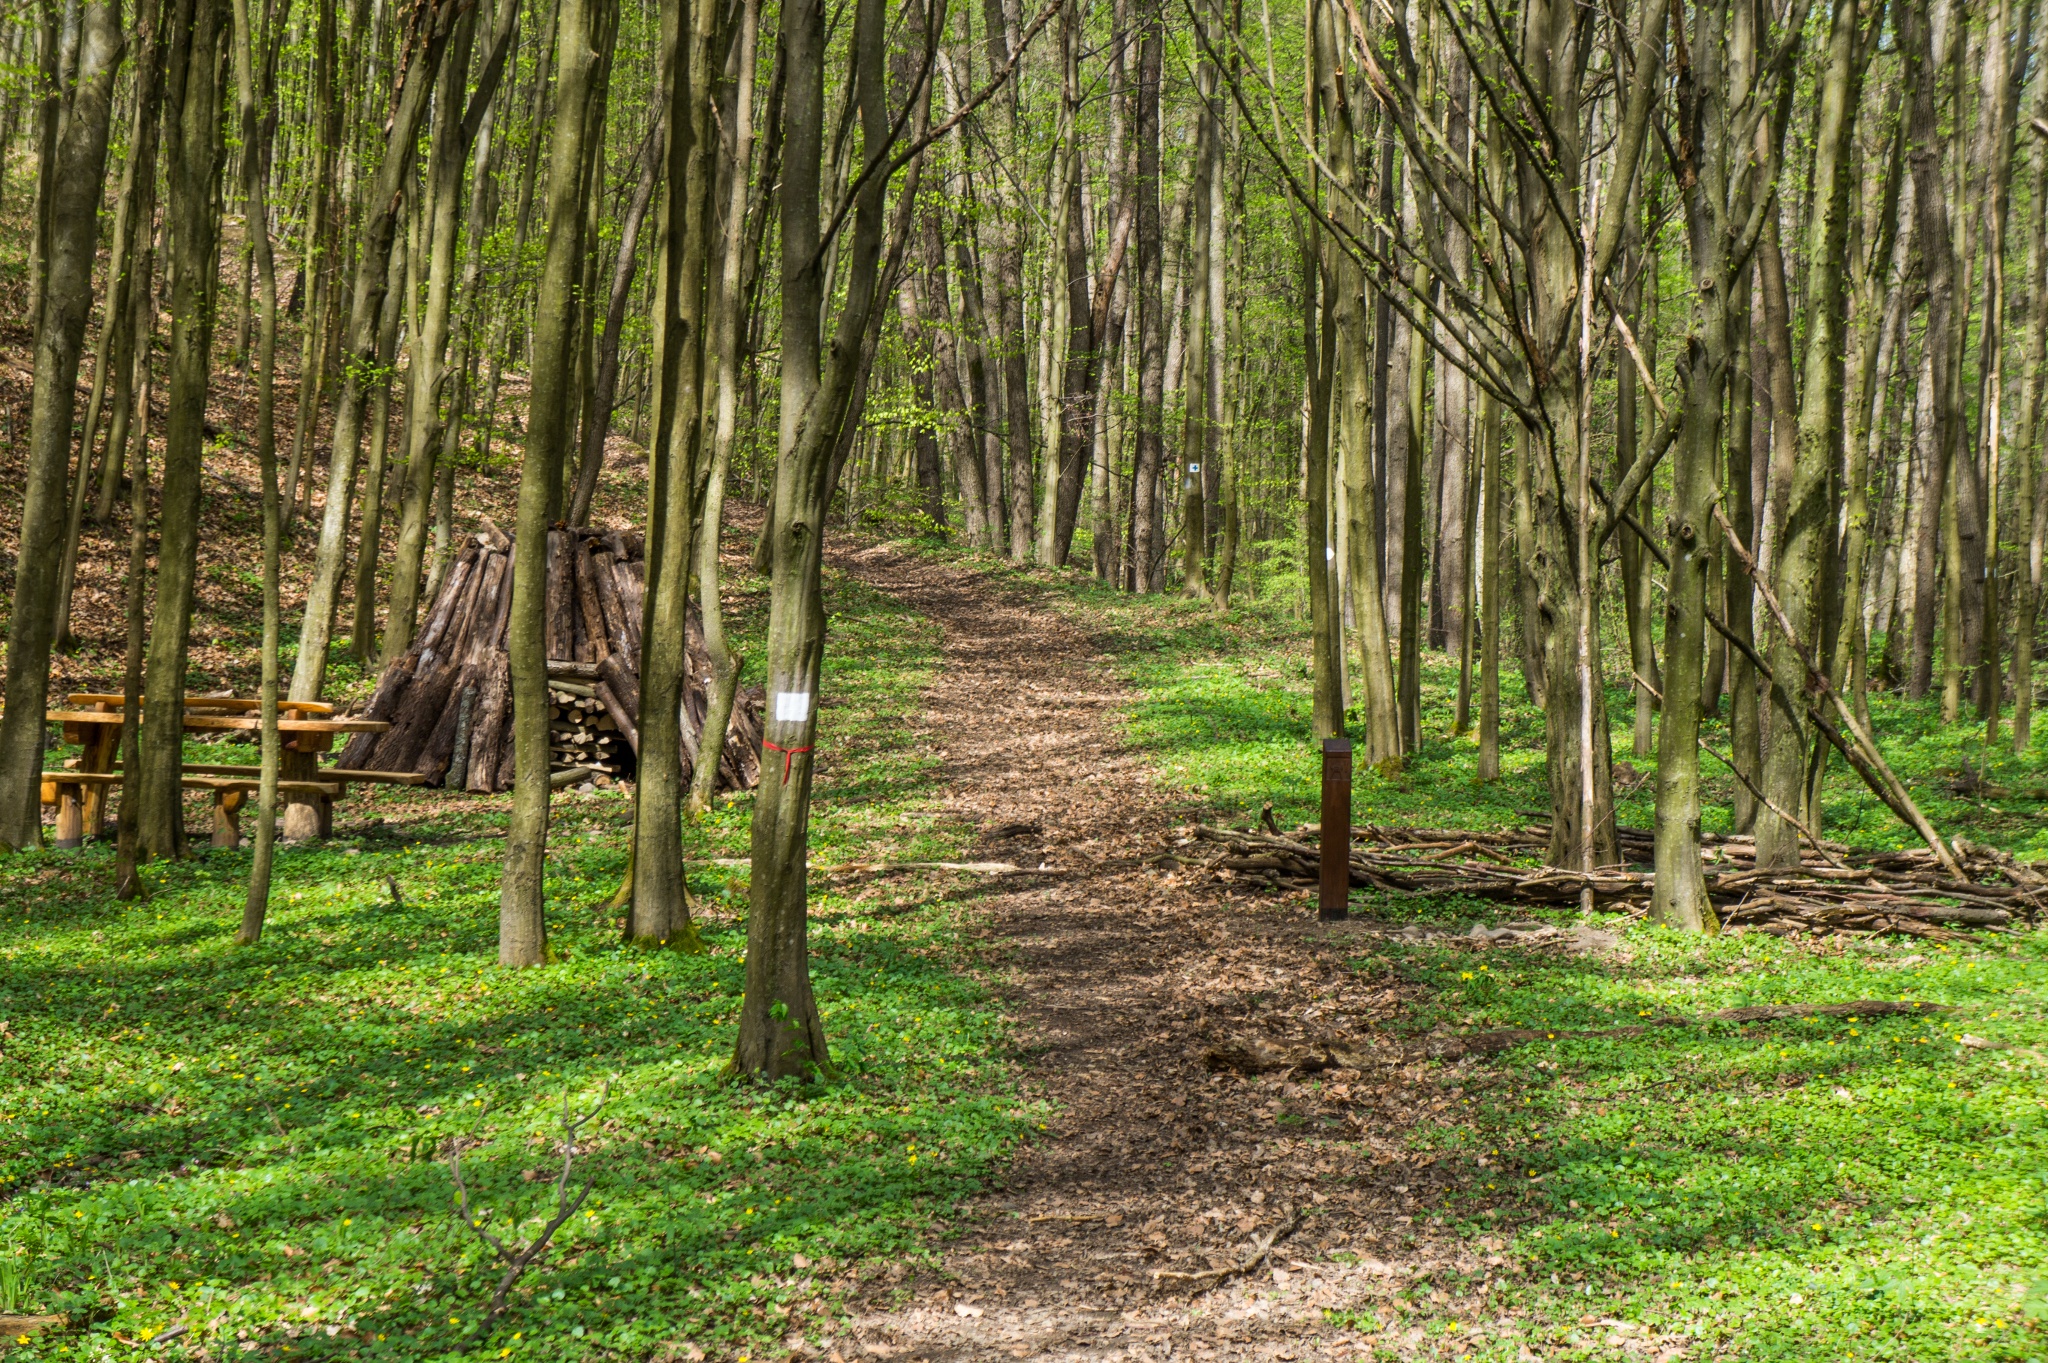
(1835, 888)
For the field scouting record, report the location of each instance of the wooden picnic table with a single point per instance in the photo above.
(307, 727)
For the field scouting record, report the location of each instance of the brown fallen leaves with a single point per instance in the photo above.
(1164, 1196)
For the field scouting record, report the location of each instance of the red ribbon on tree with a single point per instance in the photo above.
(788, 756)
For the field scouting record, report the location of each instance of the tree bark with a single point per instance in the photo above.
(2034, 374)
(113, 361)
(781, 1033)
(1319, 348)
(76, 182)
(1008, 277)
(726, 330)
(255, 130)
(1808, 521)
(1350, 419)
(1087, 302)
(317, 260)
(605, 382)
(1928, 143)
(192, 109)
(660, 912)
(522, 924)
(404, 270)
(958, 415)
(1148, 550)
(453, 134)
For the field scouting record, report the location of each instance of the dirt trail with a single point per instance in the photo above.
(1121, 979)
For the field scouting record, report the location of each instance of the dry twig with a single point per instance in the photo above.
(1202, 1282)
(517, 1261)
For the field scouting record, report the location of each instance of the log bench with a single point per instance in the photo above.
(339, 778)
(66, 790)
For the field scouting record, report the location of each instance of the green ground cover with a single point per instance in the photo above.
(250, 1143)
(1800, 1189)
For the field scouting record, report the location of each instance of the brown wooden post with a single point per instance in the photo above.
(70, 814)
(306, 817)
(227, 810)
(301, 812)
(102, 745)
(1333, 901)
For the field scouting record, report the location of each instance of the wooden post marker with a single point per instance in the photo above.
(1333, 899)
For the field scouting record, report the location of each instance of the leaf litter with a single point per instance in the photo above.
(1169, 1209)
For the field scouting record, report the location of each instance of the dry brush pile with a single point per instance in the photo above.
(1835, 888)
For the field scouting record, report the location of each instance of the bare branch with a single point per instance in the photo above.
(517, 1261)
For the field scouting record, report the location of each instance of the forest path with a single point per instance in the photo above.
(1119, 980)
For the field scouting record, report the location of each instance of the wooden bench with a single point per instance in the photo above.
(66, 790)
(344, 776)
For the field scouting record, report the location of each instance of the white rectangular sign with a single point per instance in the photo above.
(792, 707)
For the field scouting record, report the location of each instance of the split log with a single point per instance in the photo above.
(604, 586)
(561, 628)
(457, 776)
(624, 685)
(427, 703)
(439, 750)
(596, 644)
(494, 578)
(453, 594)
(390, 688)
(487, 737)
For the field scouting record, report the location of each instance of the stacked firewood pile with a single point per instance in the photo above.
(1834, 888)
(588, 731)
(449, 699)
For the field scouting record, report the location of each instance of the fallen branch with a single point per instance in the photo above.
(1834, 886)
(1817, 680)
(519, 1260)
(1202, 1282)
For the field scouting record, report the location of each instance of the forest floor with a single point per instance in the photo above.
(208, 1152)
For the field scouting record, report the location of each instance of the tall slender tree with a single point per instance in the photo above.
(76, 172)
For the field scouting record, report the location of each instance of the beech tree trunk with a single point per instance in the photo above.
(660, 911)
(1809, 519)
(192, 109)
(597, 421)
(781, 1033)
(455, 132)
(1149, 549)
(522, 924)
(1927, 151)
(255, 130)
(727, 326)
(2032, 503)
(76, 177)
